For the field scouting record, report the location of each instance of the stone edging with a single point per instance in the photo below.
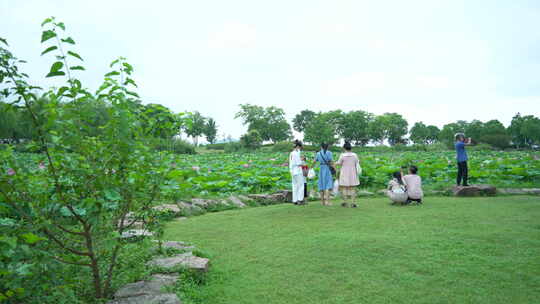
(151, 291)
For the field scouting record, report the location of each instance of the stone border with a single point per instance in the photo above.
(152, 290)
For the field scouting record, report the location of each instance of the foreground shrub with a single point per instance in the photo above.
(71, 208)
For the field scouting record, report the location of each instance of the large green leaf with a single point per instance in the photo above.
(46, 35)
(49, 49)
(68, 40)
(75, 55)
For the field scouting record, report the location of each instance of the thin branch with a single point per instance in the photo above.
(69, 231)
(71, 263)
(63, 246)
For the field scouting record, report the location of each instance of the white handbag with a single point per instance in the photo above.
(336, 187)
(358, 169)
(311, 174)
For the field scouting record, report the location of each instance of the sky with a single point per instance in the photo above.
(435, 61)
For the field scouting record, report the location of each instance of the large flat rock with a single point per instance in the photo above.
(236, 201)
(185, 260)
(167, 208)
(268, 199)
(474, 190)
(136, 233)
(151, 287)
(177, 245)
(167, 298)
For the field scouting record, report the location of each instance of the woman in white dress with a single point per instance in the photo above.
(295, 166)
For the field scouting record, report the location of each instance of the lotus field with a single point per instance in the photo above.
(220, 173)
(216, 174)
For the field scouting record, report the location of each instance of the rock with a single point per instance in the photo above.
(314, 193)
(474, 190)
(365, 193)
(167, 208)
(167, 298)
(244, 199)
(132, 225)
(182, 218)
(184, 206)
(135, 233)
(186, 260)
(510, 191)
(287, 195)
(224, 203)
(237, 202)
(151, 287)
(382, 192)
(535, 191)
(177, 245)
(525, 191)
(199, 202)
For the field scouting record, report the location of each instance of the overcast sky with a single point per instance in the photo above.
(434, 61)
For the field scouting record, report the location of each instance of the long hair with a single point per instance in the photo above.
(297, 143)
(397, 176)
(324, 146)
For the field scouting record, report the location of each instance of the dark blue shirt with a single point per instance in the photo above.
(461, 153)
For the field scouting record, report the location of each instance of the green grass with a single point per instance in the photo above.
(451, 250)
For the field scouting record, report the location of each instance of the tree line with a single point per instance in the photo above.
(362, 128)
(269, 124)
(16, 125)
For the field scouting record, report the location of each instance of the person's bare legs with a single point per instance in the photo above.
(327, 193)
(323, 198)
(345, 195)
(353, 197)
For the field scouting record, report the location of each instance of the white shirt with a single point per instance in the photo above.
(295, 162)
(414, 186)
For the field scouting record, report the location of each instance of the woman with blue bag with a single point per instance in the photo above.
(326, 172)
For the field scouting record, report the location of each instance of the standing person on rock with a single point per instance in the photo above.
(348, 175)
(295, 167)
(462, 158)
(326, 181)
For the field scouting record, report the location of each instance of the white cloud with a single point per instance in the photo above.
(233, 35)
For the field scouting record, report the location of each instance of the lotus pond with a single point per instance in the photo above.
(216, 174)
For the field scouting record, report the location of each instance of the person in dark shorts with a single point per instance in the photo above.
(305, 170)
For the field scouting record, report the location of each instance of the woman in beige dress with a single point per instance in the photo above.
(348, 175)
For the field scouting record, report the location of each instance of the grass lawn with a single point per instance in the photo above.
(451, 250)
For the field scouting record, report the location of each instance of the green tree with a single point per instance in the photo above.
(422, 134)
(323, 128)
(251, 140)
(210, 130)
(72, 207)
(523, 130)
(495, 134)
(354, 127)
(270, 122)
(448, 132)
(389, 126)
(196, 127)
(432, 134)
(531, 130)
(419, 133)
(159, 120)
(302, 119)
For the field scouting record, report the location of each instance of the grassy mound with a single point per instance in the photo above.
(480, 250)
